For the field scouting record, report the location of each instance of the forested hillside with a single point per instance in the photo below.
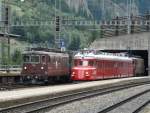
(75, 37)
(44, 10)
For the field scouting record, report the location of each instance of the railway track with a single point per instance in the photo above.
(141, 107)
(42, 105)
(122, 104)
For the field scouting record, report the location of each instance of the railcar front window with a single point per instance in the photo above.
(35, 59)
(91, 63)
(26, 58)
(85, 63)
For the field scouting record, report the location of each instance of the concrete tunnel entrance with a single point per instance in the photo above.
(142, 53)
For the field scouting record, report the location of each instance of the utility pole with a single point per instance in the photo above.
(57, 24)
(6, 30)
(103, 9)
(129, 10)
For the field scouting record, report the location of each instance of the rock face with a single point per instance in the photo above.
(97, 9)
(79, 5)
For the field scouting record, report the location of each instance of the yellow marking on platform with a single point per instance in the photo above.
(10, 74)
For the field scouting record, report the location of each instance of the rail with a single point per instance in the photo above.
(117, 105)
(38, 106)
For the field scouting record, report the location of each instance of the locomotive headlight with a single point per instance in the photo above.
(36, 77)
(25, 67)
(42, 67)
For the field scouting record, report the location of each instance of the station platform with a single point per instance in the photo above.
(18, 96)
(10, 74)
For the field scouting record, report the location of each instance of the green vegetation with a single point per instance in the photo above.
(75, 37)
(44, 11)
(16, 57)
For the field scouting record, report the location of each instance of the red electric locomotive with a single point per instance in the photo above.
(45, 65)
(92, 65)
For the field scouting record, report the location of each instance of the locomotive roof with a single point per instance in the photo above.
(106, 56)
(46, 53)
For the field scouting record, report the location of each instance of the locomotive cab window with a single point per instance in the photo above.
(26, 58)
(35, 59)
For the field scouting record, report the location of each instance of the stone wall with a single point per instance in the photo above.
(133, 42)
(127, 42)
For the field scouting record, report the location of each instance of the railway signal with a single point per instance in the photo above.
(57, 22)
(6, 15)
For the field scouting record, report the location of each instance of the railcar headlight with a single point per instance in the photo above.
(73, 74)
(42, 67)
(25, 67)
(86, 74)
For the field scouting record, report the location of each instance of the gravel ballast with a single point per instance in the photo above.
(96, 104)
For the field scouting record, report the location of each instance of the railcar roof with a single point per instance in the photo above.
(46, 53)
(102, 56)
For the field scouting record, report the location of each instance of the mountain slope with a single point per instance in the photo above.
(88, 9)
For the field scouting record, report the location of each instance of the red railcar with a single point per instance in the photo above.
(93, 66)
(45, 65)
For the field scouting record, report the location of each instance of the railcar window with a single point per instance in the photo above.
(85, 63)
(35, 59)
(26, 58)
(101, 64)
(97, 63)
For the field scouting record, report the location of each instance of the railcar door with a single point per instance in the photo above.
(115, 69)
(101, 69)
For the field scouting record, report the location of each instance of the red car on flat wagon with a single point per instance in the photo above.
(99, 65)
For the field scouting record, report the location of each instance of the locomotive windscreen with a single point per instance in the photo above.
(26, 58)
(31, 58)
(35, 58)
